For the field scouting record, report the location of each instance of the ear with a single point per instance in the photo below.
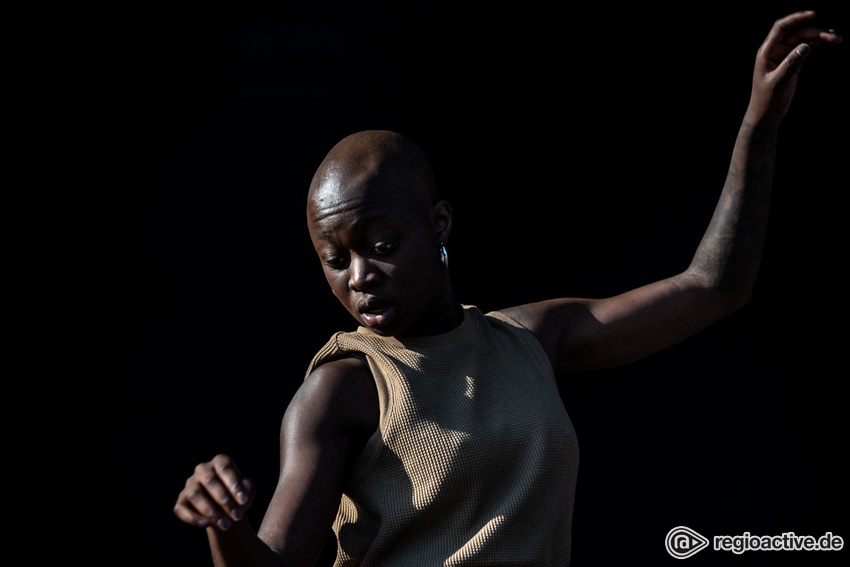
(441, 217)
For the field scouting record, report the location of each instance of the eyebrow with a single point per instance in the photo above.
(366, 222)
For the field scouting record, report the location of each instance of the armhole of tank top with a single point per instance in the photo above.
(359, 356)
(370, 450)
(341, 356)
(373, 445)
(530, 340)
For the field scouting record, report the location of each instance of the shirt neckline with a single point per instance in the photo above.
(457, 335)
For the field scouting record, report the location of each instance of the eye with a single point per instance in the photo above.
(335, 262)
(384, 248)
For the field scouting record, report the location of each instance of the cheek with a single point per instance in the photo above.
(338, 283)
(416, 278)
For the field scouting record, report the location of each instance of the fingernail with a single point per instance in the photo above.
(236, 513)
(224, 523)
(803, 50)
(203, 523)
(240, 494)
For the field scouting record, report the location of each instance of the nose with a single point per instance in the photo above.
(362, 274)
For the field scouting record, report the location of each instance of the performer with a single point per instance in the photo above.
(434, 433)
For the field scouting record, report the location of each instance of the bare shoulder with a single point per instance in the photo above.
(552, 322)
(544, 314)
(339, 395)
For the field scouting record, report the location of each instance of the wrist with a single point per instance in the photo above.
(765, 109)
(758, 118)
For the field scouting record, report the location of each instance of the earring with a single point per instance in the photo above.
(444, 255)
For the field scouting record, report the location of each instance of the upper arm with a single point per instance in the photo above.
(593, 334)
(324, 428)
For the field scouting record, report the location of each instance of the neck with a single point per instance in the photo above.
(445, 314)
(448, 319)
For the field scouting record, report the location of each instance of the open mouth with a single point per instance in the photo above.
(374, 312)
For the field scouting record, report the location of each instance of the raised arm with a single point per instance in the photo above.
(589, 334)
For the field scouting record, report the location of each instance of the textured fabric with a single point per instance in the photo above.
(475, 459)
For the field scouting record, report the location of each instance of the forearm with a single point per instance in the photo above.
(729, 255)
(730, 252)
(241, 547)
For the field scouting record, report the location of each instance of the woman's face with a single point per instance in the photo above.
(380, 254)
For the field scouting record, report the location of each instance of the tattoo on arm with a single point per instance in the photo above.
(730, 251)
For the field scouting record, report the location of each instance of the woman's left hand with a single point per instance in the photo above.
(778, 64)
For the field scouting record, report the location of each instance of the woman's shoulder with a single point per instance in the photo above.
(339, 391)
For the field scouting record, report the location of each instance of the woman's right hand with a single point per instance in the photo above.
(215, 495)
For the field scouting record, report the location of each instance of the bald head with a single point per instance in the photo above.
(374, 163)
(379, 229)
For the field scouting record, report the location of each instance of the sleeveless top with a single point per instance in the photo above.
(475, 459)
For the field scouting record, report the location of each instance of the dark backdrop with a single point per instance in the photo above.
(583, 151)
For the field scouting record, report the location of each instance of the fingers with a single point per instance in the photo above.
(789, 43)
(215, 495)
(797, 56)
(791, 21)
(791, 31)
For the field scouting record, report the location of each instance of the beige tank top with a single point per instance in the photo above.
(475, 459)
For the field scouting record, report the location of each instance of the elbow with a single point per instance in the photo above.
(729, 275)
(726, 295)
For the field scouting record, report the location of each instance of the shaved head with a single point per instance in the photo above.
(374, 163)
(379, 230)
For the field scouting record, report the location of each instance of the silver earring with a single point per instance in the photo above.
(444, 255)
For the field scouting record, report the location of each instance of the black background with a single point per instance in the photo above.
(582, 149)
